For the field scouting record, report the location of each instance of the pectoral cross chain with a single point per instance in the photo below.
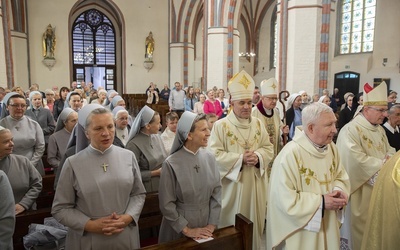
(197, 168)
(104, 166)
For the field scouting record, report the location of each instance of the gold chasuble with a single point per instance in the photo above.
(362, 148)
(383, 223)
(244, 187)
(301, 174)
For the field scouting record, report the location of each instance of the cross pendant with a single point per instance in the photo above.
(197, 168)
(104, 166)
(246, 145)
(123, 137)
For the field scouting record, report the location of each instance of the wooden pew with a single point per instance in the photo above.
(46, 197)
(22, 222)
(239, 236)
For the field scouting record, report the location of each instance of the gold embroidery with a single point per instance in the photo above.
(244, 81)
(380, 146)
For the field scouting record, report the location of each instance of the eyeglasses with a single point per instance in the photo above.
(18, 105)
(272, 98)
(379, 110)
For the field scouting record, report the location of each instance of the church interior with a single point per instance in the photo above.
(306, 45)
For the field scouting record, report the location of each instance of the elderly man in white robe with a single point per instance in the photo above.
(100, 194)
(267, 112)
(364, 148)
(309, 187)
(243, 151)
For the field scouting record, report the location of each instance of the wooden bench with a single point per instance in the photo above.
(239, 236)
(46, 196)
(22, 222)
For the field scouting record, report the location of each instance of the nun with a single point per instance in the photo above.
(59, 140)
(40, 114)
(190, 186)
(100, 194)
(117, 101)
(28, 135)
(25, 180)
(145, 142)
(293, 114)
(122, 126)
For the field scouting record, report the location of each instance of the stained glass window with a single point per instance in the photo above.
(273, 41)
(93, 39)
(357, 26)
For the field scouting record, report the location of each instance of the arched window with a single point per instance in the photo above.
(357, 24)
(93, 39)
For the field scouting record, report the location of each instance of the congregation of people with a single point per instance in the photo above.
(316, 172)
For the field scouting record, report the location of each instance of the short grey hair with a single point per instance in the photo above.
(98, 111)
(393, 108)
(312, 112)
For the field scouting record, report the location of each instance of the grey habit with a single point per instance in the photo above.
(7, 213)
(148, 149)
(95, 184)
(190, 186)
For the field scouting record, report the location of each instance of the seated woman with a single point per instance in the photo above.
(41, 115)
(25, 180)
(59, 104)
(28, 136)
(190, 186)
(168, 135)
(122, 126)
(145, 142)
(59, 140)
(102, 94)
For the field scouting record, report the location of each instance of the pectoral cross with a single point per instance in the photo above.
(123, 137)
(197, 168)
(104, 166)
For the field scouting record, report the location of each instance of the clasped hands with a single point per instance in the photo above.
(109, 225)
(199, 232)
(250, 158)
(335, 200)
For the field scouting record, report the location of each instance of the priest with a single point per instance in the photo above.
(243, 151)
(309, 187)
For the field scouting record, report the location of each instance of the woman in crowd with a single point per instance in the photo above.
(190, 186)
(190, 99)
(293, 114)
(99, 195)
(49, 100)
(346, 114)
(117, 101)
(224, 102)
(59, 140)
(41, 115)
(211, 105)
(25, 180)
(145, 142)
(122, 127)
(28, 136)
(59, 104)
(7, 213)
(74, 101)
(168, 135)
(152, 95)
(102, 95)
(198, 106)
(325, 100)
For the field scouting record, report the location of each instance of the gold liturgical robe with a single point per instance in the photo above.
(383, 223)
(362, 148)
(272, 124)
(244, 187)
(301, 174)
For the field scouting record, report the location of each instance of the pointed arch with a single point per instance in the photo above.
(111, 10)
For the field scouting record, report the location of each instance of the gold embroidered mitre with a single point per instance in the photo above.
(375, 96)
(269, 87)
(241, 86)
